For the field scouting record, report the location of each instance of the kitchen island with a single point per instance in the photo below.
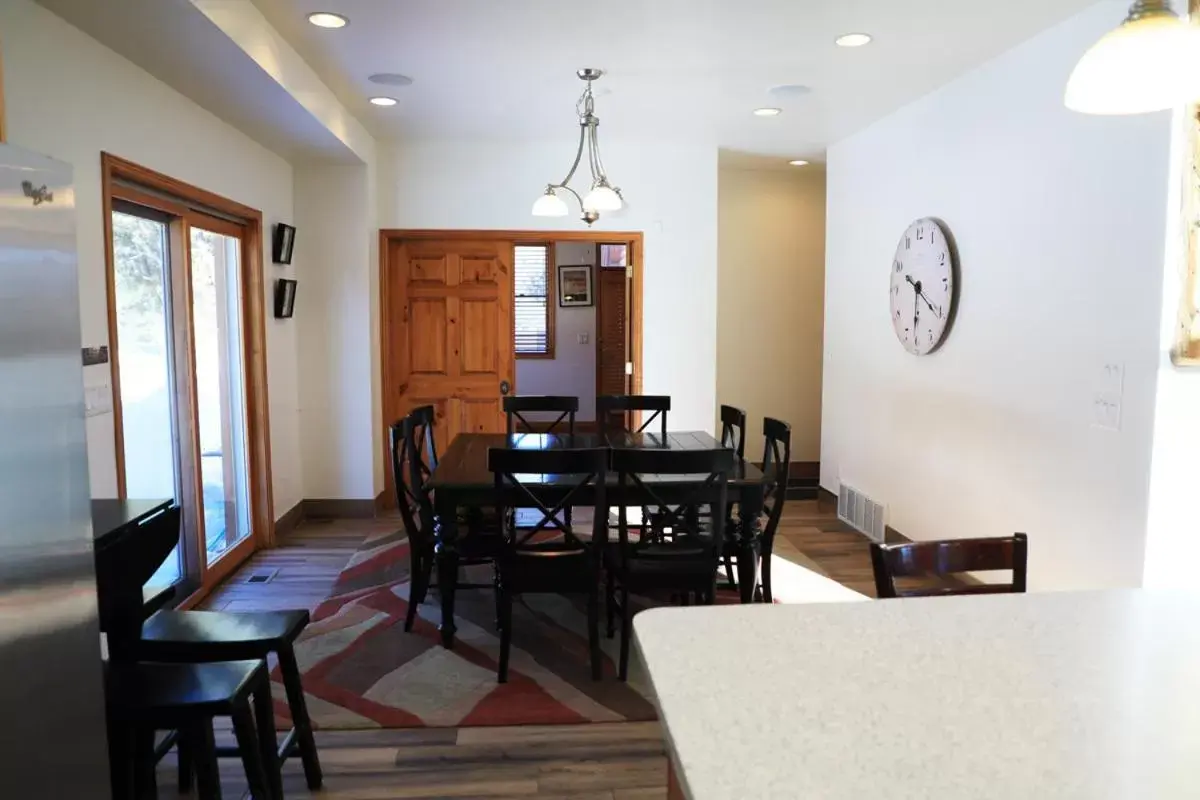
(1055, 695)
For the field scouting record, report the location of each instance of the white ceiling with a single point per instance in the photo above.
(506, 69)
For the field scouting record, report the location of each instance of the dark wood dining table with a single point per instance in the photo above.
(462, 480)
(111, 517)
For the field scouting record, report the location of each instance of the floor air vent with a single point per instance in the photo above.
(861, 512)
(262, 577)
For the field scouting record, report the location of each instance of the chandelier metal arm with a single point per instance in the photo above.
(575, 163)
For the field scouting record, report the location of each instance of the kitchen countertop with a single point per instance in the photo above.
(1053, 695)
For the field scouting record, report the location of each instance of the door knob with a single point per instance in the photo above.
(504, 387)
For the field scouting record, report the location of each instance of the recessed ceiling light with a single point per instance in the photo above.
(790, 91)
(327, 19)
(390, 79)
(766, 112)
(383, 101)
(853, 40)
(799, 162)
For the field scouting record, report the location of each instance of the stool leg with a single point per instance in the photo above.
(264, 722)
(248, 748)
(200, 743)
(186, 770)
(295, 697)
(146, 778)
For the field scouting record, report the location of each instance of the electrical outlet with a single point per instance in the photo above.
(583, 338)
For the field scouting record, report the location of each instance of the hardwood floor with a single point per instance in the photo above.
(614, 761)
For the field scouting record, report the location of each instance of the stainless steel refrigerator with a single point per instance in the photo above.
(53, 741)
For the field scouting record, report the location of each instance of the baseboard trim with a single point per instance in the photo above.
(340, 509)
(290, 520)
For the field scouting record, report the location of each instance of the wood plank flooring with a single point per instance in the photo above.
(614, 761)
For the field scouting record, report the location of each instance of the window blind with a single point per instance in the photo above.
(531, 304)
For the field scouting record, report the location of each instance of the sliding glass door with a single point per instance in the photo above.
(142, 278)
(220, 389)
(181, 347)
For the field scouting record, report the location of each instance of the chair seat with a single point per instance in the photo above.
(146, 689)
(218, 635)
(679, 564)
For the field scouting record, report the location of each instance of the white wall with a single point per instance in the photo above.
(672, 192)
(1059, 223)
(1172, 546)
(572, 371)
(71, 98)
(335, 231)
(770, 310)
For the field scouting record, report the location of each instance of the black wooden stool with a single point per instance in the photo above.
(144, 698)
(206, 636)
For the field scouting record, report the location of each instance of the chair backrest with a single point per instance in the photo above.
(421, 452)
(733, 429)
(122, 569)
(608, 404)
(516, 405)
(560, 477)
(777, 459)
(407, 501)
(675, 482)
(947, 557)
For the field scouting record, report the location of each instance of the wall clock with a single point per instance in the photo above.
(922, 291)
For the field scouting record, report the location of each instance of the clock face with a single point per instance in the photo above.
(922, 290)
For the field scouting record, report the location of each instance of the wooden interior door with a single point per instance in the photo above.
(612, 331)
(451, 332)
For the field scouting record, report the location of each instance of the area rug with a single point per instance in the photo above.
(361, 670)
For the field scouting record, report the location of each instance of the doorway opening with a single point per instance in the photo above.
(470, 316)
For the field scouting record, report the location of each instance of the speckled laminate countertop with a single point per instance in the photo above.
(1054, 695)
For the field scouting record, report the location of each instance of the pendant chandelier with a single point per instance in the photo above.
(602, 196)
(1151, 62)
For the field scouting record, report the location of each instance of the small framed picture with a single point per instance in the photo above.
(575, 285)
(284, 241)
(285, 298)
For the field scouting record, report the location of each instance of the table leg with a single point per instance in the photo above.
(750, 506)
(446, 557)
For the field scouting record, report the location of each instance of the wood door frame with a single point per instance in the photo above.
(186, 202)
(389, 236)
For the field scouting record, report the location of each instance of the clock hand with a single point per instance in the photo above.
(937, 312)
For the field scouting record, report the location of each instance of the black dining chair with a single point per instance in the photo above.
(777, 458)
(414, 458)
(142, 698)
(516, 406)
(733, 429)
(939, 559)
(553, 555)
(608, 405)
(684, 564)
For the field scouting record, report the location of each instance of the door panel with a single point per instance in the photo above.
(450, 336)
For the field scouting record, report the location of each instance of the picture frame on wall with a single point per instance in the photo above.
(283, 243)
(575, 285)
(285, 298)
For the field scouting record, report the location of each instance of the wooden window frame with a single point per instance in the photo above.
(126, 181)
(551, 302)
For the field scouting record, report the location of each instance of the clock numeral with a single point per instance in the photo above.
(907, 242)
(898, 265)
(941, 258)
(920, 233)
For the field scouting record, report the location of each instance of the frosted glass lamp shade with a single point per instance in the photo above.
(602, 198)
(1150, 63)
(550, 205)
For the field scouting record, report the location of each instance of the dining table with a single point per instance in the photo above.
(462, 480)
(111, 517)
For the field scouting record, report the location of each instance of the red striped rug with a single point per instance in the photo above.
(361, 670)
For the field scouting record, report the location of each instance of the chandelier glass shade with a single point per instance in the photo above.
(601, 195)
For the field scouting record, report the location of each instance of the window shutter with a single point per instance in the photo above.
(531, 300)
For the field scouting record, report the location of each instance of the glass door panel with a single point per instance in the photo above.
(220, 389)
(142, 281)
